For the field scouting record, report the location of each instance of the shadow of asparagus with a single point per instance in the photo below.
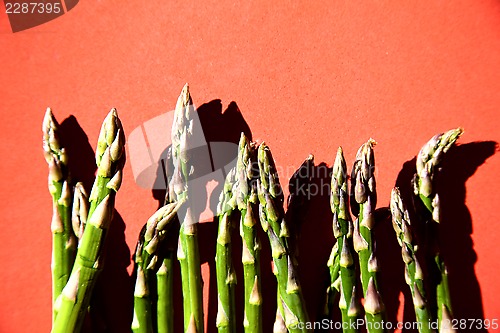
(316, 240)
(459, 165)
(112, 300)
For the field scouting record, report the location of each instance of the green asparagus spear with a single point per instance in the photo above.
(246, 198)
(110, 158)
(413, 272)
(188, 252)
(363, 205)
(343, 230)
(63, 238)
(428, 160)
(274, 224)
(226, 277)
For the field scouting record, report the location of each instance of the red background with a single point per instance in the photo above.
(306, 77)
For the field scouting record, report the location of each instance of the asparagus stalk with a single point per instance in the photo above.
(146, 258)
(110, 158)
(165, 306)
(363, 206)
(226, 277)
(343, 230)
(188, 252)
(428, 160)
(246, 198)
(63, 239)
(273, 222)
(413, 271)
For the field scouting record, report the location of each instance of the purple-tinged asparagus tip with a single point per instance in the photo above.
(373, 302)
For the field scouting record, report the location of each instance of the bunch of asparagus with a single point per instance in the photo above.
(357, 236)
(79, 222)
(252, 199)
(251, 186)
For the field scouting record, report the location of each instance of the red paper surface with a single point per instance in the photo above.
(307, 78)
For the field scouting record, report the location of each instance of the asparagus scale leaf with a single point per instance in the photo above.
(80, 210)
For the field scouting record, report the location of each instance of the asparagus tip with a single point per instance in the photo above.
(48, 120)
(184, 98)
